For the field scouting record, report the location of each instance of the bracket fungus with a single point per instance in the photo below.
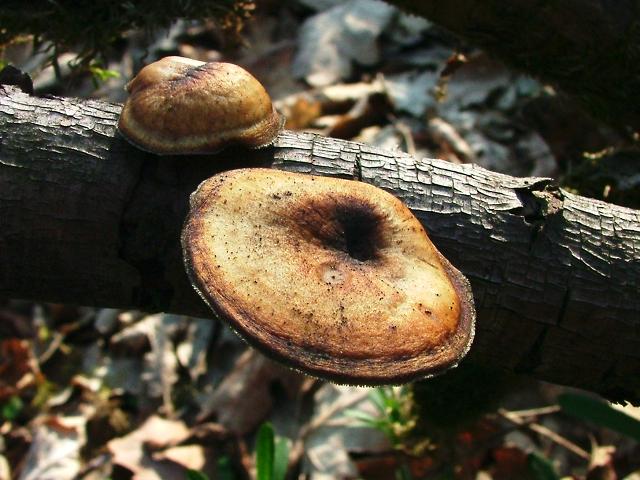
(335, 278)
(182, 106)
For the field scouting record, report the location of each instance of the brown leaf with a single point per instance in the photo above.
(193, 457)
(16, 361)
(205, 434)
(17, 443)
(452, 146)
(5, 469)
(454, 62)
(302, 111)
(244, 399)
(601, 463)
(13, 324)
(131, 451)
(367, 111)
(192, 350)
(385, 465)
(509, 462)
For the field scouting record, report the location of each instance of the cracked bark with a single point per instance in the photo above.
(87, 219)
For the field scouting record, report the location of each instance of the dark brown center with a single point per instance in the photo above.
(358, 232)
(344, 224)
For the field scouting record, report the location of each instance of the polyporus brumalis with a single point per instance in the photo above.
(336, 278)
(182, 106)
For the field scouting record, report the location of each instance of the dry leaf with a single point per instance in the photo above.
(17, 366)
(192, 351)
(453, 147)
(5, 469)
(55, 450)
(160, 362)
(411, 92)
(509, 462)
(192, 457)
(130, 451)
(474, 81)
(244, 399)
(332, 40)
(601, 463)
(334, 436)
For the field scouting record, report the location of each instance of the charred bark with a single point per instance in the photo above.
(87, 219)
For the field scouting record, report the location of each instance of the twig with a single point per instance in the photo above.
(407, 136)
(535, 412)
(545, 432)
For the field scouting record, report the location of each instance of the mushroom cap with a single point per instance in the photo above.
(334, 277)
(182, 106)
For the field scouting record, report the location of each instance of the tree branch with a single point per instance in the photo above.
(85, 218)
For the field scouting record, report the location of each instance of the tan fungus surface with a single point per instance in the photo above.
(335, 277)
(181, 106)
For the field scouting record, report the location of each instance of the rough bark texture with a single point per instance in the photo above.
(589, 48)
(85, 218)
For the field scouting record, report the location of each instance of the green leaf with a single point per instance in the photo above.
(393, 417)
(541, 467)
(361, 416)
(103, 74)
(601, 413)
(196, 475)
(379, 399)
(281, 458)
(225, 470)
(12, 408)
(379, 423)
(265, 450)
(403, 473)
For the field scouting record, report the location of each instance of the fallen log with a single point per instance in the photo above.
(85, 218)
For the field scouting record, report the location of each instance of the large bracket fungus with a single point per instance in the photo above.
(334, 277)
(182, 106)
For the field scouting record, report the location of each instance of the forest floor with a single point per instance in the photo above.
(93, 393)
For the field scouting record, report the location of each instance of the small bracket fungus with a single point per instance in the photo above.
(182, 106)
(334, 277)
